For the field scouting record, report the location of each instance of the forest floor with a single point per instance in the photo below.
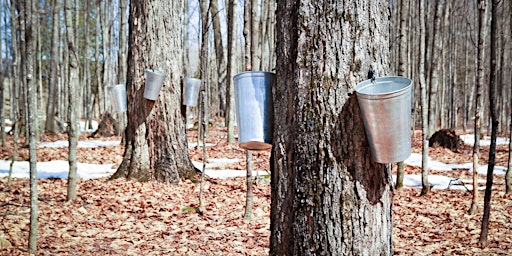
(125, 217)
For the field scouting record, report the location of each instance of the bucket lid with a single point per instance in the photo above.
(384, 87)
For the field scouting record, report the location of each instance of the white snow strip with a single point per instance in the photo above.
(226, 173)
(58, 169)
(194, 145)
(469, 139)
(415, 160)
(81, 144)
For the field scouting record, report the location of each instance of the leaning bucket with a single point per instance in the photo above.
(117, 94)
(254, 109)
(386, 109)
(154, 81)
(191, 91)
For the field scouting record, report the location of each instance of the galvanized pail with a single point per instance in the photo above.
(191, 91)
(254, 109)
(386, 110)
(117, 95)
(154, 81)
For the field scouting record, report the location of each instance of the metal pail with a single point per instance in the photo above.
(386, 110)
(154, 81)
(191, 91)
(117, 94)
(254, 109)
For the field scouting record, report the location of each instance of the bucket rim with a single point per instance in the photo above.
(193, 79)
(155, 71)
(253, 73)
(404, 80)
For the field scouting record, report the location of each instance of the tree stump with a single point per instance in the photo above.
(107, 127)
(446, 138)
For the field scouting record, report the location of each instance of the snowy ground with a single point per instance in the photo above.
(214, 167)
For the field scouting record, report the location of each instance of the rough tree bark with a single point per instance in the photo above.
(328, 196)
(219, 54)
(480, 76)
(156, 145)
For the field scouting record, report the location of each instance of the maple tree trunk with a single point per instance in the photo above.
(249, 194)
(508, 176)
(482, 17)
(156, 145)
(494, 126)
(219, 54)
(31, 106)
(435, 51)
(73, 79)
(230, 98)
(425, 186)
(402, 59)
(86, 80)
(54, 66)
(328, 196)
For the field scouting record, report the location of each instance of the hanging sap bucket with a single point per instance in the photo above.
(191, 91)
(117, 95)
(386, 110)
(154, 81)
(254, 109)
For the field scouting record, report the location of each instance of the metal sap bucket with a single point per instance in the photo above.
(117, 95)
(254, 109)
(154, 81)
(191, 91)
(386, 111)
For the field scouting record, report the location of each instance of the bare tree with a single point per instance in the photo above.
(230, 103)
(30, 23)
(402, 59)
(435, 51)
(424, 102)
(156, 145)
(482, 18)
(494, 126)
(328, 196)
(54, 66)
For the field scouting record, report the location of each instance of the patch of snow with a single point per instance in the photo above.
(58, 169)
(94, 126)
(194, 145)
(226, 173)
(415, 160)
(81, 144)
(469, 139)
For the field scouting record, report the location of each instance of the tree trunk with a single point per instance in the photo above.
(402, 59)
(100, 99)
(86, 77)
(220, 57)
(494, 125)
(433, 110)
(31, 106)
(255, 36)
(482, 18)
(156, 144)
(328, 196)
(424, 103)
(123, 42)
(73, 62)
(508, 176)
(54, 66)
(230, 98)
(2, 89)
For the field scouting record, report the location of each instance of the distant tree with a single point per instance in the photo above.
(51, 105)
(72, 88)
(425, 186)
(494, 125)
(156, 146)
(482, 18)
(328, 196)
(230, 103)
(402, 59)
(30, 23)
